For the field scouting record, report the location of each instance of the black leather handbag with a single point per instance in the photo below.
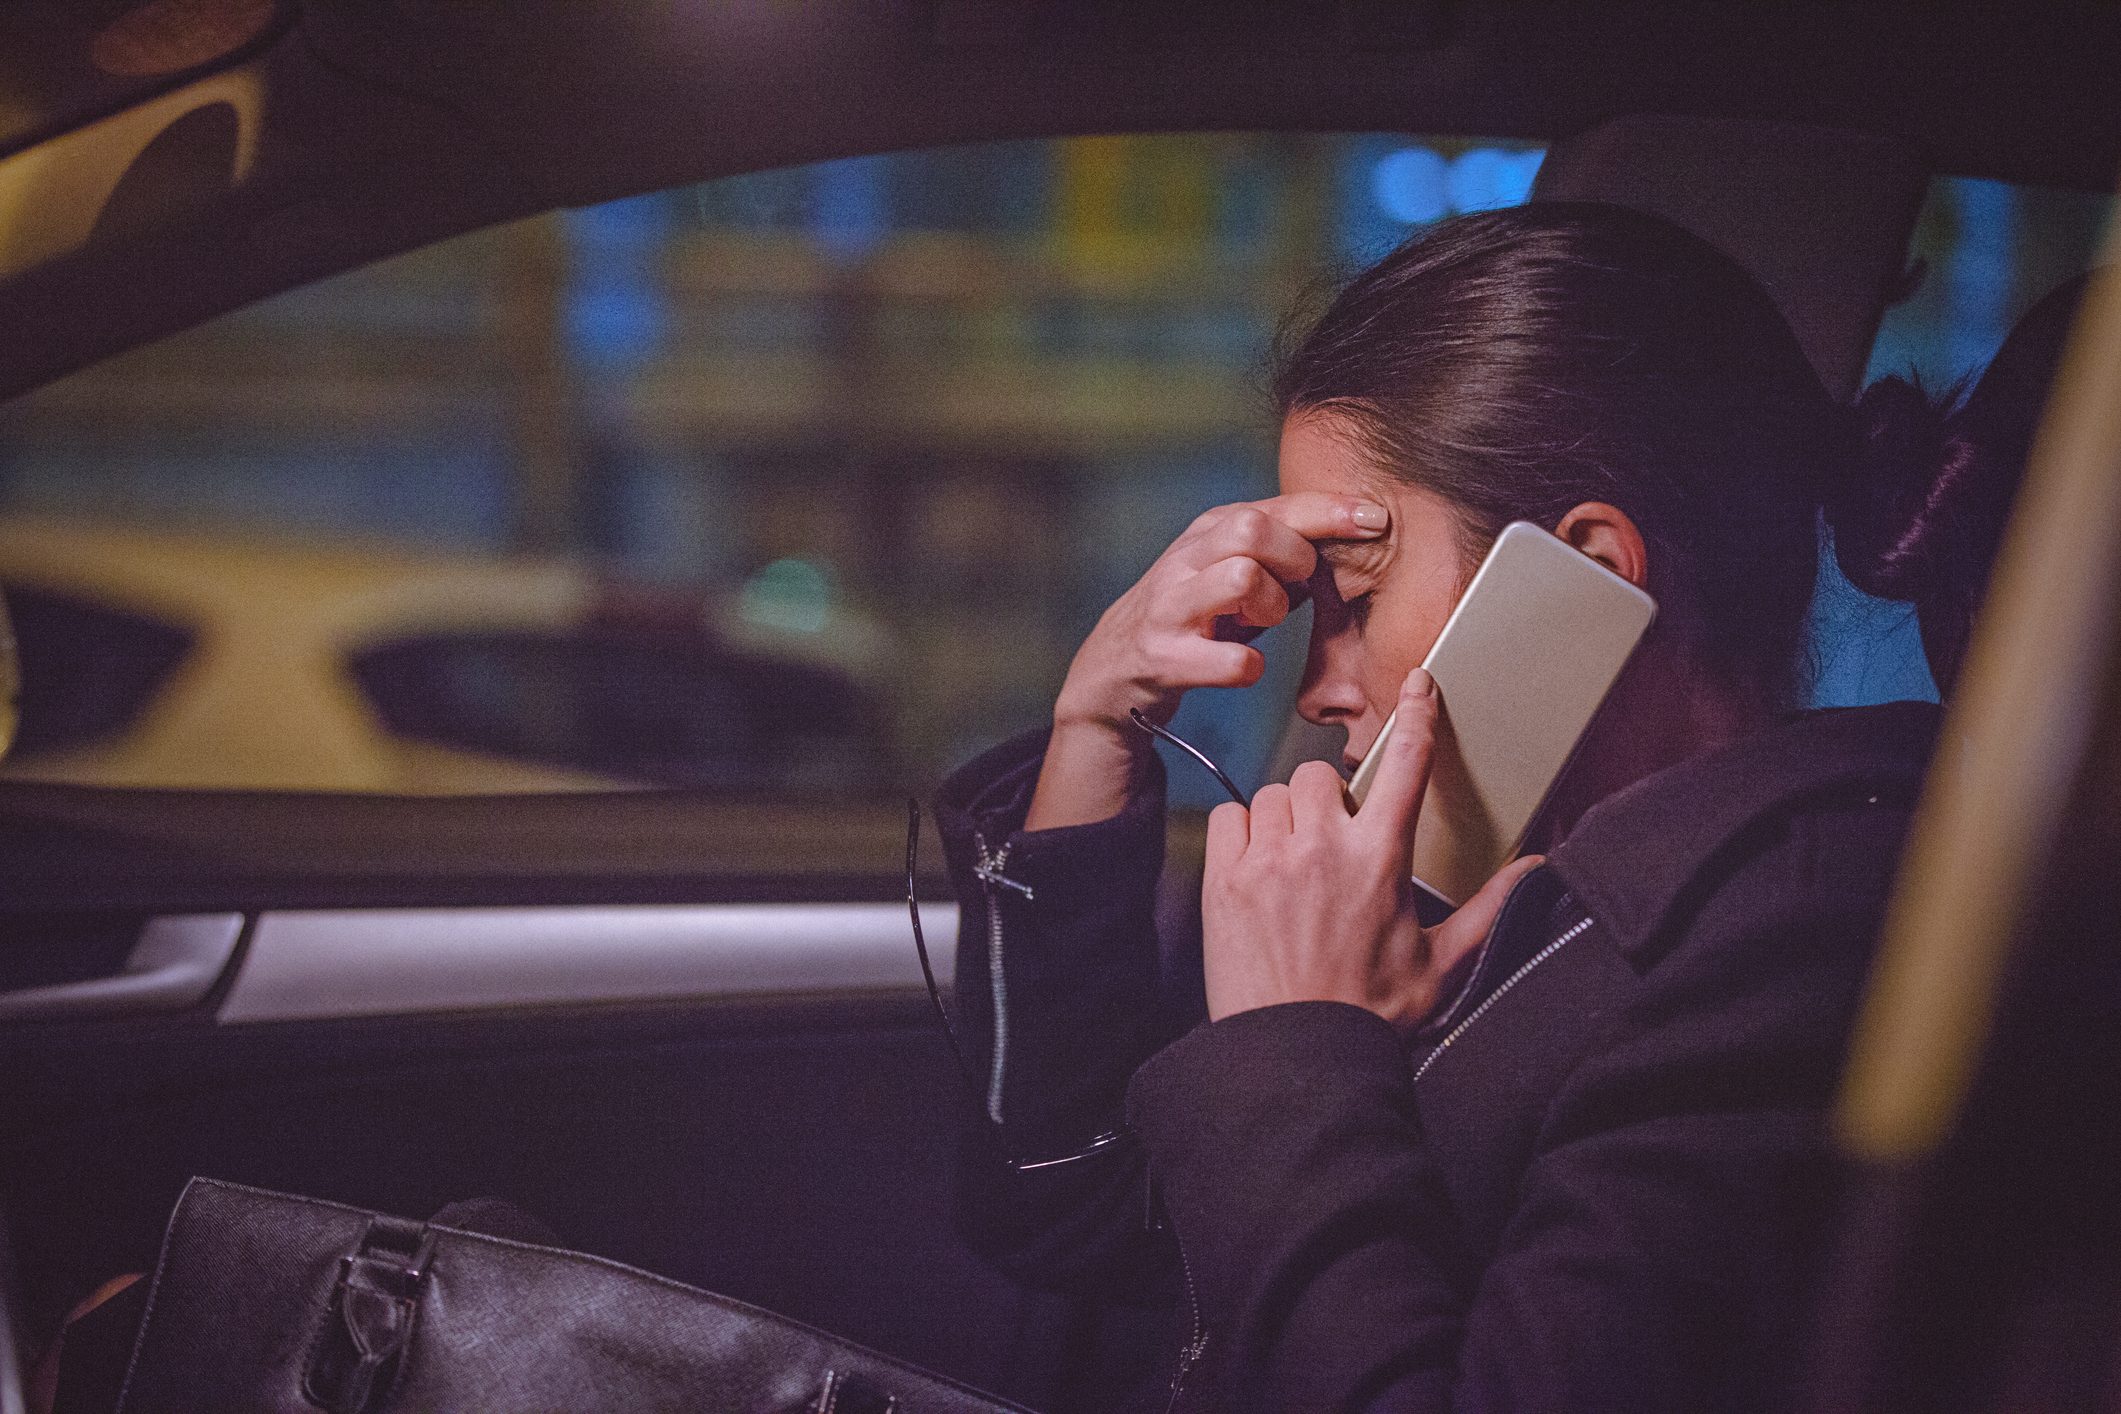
(281, 1305)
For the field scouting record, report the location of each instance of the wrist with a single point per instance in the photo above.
(1101, 743)
(1092, 769)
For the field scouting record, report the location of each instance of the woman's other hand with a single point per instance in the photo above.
(1304, 902)
(1181, 626)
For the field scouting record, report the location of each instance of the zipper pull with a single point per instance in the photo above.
(988, 869)
(988, 874)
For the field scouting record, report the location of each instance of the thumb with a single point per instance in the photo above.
(1469, 927)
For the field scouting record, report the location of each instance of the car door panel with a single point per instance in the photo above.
(752, 1096)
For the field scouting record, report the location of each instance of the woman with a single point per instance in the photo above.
(1564, 1149)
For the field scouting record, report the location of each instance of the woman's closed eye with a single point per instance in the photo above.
(1348, 577)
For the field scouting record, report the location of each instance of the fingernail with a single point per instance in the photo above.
(1371, 516)
(1419, 683)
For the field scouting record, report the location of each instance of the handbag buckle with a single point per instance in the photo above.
(368, 1322)
(846, 1393)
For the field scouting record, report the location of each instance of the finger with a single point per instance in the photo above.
(1311, 515)
(1468, 927)
(1393, 804)
(1253, 534)
(1328, 515)
(1317, 793)
(1183, 660)
(1238, 587)
(1273, 813)
(1229, 829)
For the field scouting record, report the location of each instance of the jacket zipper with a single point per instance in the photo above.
(1197, 1343)
(989, 872)
(1574, 932)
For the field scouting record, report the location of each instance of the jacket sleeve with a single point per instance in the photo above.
(1652, 1256)
(1061, 993)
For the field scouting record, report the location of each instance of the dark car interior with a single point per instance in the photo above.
(788, 1140)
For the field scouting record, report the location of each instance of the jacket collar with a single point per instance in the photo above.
(1631, 858)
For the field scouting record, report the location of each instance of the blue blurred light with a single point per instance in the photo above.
(790, 594)
(1979, 273)
(1409, 185)
(1863, 650)
(615, 313)
(1488, 178)
(633, 221)
(850, 213)
(615, 324)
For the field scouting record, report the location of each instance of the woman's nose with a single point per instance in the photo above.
(1331, 694)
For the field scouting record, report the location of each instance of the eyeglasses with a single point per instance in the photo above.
(1111, 1139)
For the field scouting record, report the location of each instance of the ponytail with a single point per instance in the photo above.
(1893, 513)
(1921, 513)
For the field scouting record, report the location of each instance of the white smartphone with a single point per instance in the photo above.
(1521, 667)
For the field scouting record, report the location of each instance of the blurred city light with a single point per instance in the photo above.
(1412, 185)
(851, 214)
(790, 594)
(1417, 185)
(615, 311)
(1488, 178)
(1978, 276)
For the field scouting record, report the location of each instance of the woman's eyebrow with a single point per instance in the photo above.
(1353, 555)
(1337, 553)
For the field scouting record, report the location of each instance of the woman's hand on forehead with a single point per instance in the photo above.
(1282, 534)
(1187, 623)
(1321, 516)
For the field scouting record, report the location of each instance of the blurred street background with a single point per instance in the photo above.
(878, 438)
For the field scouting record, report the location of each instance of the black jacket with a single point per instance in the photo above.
(1596, 1182)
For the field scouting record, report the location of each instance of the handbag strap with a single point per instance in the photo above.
(361, 1344)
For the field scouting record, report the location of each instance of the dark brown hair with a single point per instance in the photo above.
(1921, 518)
(1522, 362)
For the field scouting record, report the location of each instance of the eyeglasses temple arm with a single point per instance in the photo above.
(920, 946)
(1163, 733)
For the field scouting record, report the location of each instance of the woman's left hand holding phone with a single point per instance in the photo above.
(1303, 901)
(1160, 638)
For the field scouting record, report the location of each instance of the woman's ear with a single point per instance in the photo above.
(1607, 535)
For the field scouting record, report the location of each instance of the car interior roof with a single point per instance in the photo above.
(388, 128)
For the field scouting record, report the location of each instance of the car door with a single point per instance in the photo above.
(680, 1049)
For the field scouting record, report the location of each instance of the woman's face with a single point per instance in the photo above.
(1378, 604)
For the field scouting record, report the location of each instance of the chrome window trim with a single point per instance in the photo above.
(309, 965)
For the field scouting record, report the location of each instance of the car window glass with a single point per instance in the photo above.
(807, 480)
(804, 480)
